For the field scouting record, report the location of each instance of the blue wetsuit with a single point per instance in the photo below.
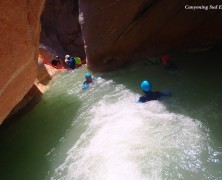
(86, 84)
(149, 96)
(72, 63)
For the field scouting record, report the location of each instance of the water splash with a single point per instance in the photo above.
(125, 140)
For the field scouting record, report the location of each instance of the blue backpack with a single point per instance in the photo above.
(72, 62)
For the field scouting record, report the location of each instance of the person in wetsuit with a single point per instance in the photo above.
(167, 63)
(72, 63)
(56, 61)
(67, 57)
(88, 79)
(148, 94)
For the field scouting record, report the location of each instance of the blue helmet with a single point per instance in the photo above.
(146, 86)
(87, 75)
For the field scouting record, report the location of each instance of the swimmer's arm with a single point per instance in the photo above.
(138, 101)
(165, 94)
(142, 99)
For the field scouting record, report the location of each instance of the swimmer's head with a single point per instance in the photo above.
(87, 75)
(146, 86)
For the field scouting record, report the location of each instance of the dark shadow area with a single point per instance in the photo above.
(27, 104)
(27, 139)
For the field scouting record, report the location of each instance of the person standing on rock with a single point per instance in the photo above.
(67, 59)
(72, 63)
(60, 61)
(77, 60)
(56, 62)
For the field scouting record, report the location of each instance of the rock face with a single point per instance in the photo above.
(116, 32)
(60, 28)
(19, 32)
(43, 76)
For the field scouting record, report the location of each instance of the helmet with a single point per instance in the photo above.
(67, 56)
(87, 75)
(146, 86)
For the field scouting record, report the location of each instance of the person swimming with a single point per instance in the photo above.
(148, 94)
(167, 63)
(88, 81)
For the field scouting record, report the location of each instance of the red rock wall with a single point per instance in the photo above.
(19, 32)
(118, 31)
(60, 28)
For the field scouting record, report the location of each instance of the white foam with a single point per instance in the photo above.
(125, 140)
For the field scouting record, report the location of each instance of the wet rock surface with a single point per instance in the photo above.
(118, 32)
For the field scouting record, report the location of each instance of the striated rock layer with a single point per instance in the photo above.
(19, 32)
(60, 28)
(116, 32)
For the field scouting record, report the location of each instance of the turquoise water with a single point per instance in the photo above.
(102, 133)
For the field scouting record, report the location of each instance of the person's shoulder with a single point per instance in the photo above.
(155, 92)
(143, 99)
(155, 95)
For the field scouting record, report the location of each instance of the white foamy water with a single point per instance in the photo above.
(125, 140)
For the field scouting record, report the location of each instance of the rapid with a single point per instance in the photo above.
(102, 133)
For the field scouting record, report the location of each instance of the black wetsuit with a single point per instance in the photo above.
(87, 82)
(149, 96)
(55, 62)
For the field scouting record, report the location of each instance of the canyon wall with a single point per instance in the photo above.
(117, 32)
(19, 32)
(60, 28)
